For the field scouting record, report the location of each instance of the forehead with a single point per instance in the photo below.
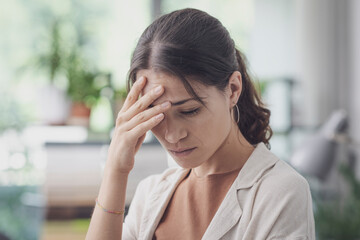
(173, 86)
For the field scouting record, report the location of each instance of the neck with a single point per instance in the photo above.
(231, 155)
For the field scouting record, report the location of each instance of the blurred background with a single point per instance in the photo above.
(63, 66)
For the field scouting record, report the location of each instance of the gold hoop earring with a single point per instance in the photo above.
(238, 114)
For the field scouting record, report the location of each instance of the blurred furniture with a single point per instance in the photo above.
(22, 200)
(316, 157)
(73, 174)
(328, 162)
(278, 94)
(22, 212)
(75, 167)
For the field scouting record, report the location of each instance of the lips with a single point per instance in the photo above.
(182, 151)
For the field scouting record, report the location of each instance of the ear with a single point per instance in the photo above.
(235, 88)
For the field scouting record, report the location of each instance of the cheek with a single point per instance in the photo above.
(203, 128)
(157, 131)
(215, 127)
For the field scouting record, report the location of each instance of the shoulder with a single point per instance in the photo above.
(266, 172)
(282, 179)
(281, 189)
(284, 197)
(273, 180)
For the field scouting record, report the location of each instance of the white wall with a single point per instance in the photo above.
(328, 57)
(321, 40)
(354, 91)
(316, 42)
(272, 47)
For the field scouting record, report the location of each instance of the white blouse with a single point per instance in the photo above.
(268, 200)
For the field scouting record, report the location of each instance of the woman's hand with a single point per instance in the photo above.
(132, 123)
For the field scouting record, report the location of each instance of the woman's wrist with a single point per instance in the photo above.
(116, 173)
(116, 168)
(113, 187)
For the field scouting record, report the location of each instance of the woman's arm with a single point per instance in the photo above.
(132, 123)
(111, 196)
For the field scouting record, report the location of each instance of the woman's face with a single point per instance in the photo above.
(191, 132)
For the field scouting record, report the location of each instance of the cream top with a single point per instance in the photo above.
(267, 200)
(193, 205)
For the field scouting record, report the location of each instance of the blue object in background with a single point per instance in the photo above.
(22, 212)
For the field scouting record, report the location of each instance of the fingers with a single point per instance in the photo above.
(135, 118)
(139, 142)
(134, 94)
(143, 103)
(133, 135)
(142, 128)
(146, 115)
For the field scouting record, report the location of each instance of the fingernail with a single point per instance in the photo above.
(158, 89)
(159, 116)
(165, 104)
(141, 80)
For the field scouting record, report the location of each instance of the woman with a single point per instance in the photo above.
(191, 88)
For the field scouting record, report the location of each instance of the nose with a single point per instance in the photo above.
(174, 132)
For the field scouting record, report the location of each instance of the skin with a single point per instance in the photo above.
(210, 129)
(218, 145)
(132, 123)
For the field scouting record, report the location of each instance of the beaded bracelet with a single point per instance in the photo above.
(108, 211)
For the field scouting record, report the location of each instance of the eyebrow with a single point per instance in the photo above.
(182, 101)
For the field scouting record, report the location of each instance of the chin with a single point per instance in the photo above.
(187, 163)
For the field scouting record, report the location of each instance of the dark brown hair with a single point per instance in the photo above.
(191, 43)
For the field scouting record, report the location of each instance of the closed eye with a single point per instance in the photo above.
(191, 112)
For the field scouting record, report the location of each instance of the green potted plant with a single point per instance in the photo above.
(51, 59)
(340, 219)
(52, 98)
(82, 89)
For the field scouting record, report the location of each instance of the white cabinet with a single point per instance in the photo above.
(74, 171)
